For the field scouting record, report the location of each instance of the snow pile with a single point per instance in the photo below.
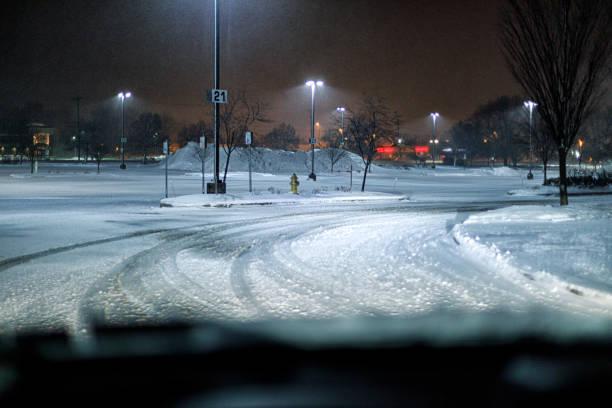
(501, 171)
(527, 214)
(567, 248)
(539, 190)
(263, 160)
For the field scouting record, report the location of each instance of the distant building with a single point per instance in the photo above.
(43, 138)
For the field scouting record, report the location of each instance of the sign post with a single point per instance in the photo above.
(166, 153)
(216, 96)
(203, 146)
(248, 140)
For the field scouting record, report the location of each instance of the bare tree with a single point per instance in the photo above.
(334, 151)
(558, 51)
(98, 153)
(236, 117)
(543, 145)
(366, 128)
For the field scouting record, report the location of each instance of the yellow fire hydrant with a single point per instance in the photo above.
(294, 184)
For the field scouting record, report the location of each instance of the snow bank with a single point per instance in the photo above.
(568, 247)
(263, 160)
(273, 198)
(539, 190)
(499, 171)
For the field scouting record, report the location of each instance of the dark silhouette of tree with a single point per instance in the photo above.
(236, 117)
(193, 132)
(543, 145)
(98, 152)
(467, 135)
(281, 137)
(558, 51)
(333, 139)
(597, 137)
(502, 116)
(371, 125)
(145, 130)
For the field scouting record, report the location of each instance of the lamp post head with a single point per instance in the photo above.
(312, 84)
(124, 95)
(340, 109)
(434, 115)
(530, 105)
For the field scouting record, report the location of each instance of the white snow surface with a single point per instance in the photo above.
(274, 198)
(78, 247)
(263, 160)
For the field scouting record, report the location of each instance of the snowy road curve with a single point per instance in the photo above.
(325, 265)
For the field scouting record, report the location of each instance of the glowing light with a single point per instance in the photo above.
(385, 149)
(313, 83)
(530, 105)
(421, 149)
(340, 109)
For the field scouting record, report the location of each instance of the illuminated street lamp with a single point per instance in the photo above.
(341, 109)
(580, 143)
(434, 141)
(313, 85)
(530, 105)
(123, 96)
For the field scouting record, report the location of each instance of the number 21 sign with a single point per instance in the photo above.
(216, 96)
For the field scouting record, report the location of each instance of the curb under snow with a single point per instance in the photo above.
(230, 200)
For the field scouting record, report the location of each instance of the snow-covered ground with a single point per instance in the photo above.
(79, 247)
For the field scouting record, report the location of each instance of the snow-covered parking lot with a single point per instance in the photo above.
(79, 246)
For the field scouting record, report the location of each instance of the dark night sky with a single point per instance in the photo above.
(423, 56)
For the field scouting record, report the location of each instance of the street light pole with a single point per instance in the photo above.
(77, 99)
(123, 96)
(530, 105)
(217, 86)
(313, 85)
(341, 109)
(434, 116)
